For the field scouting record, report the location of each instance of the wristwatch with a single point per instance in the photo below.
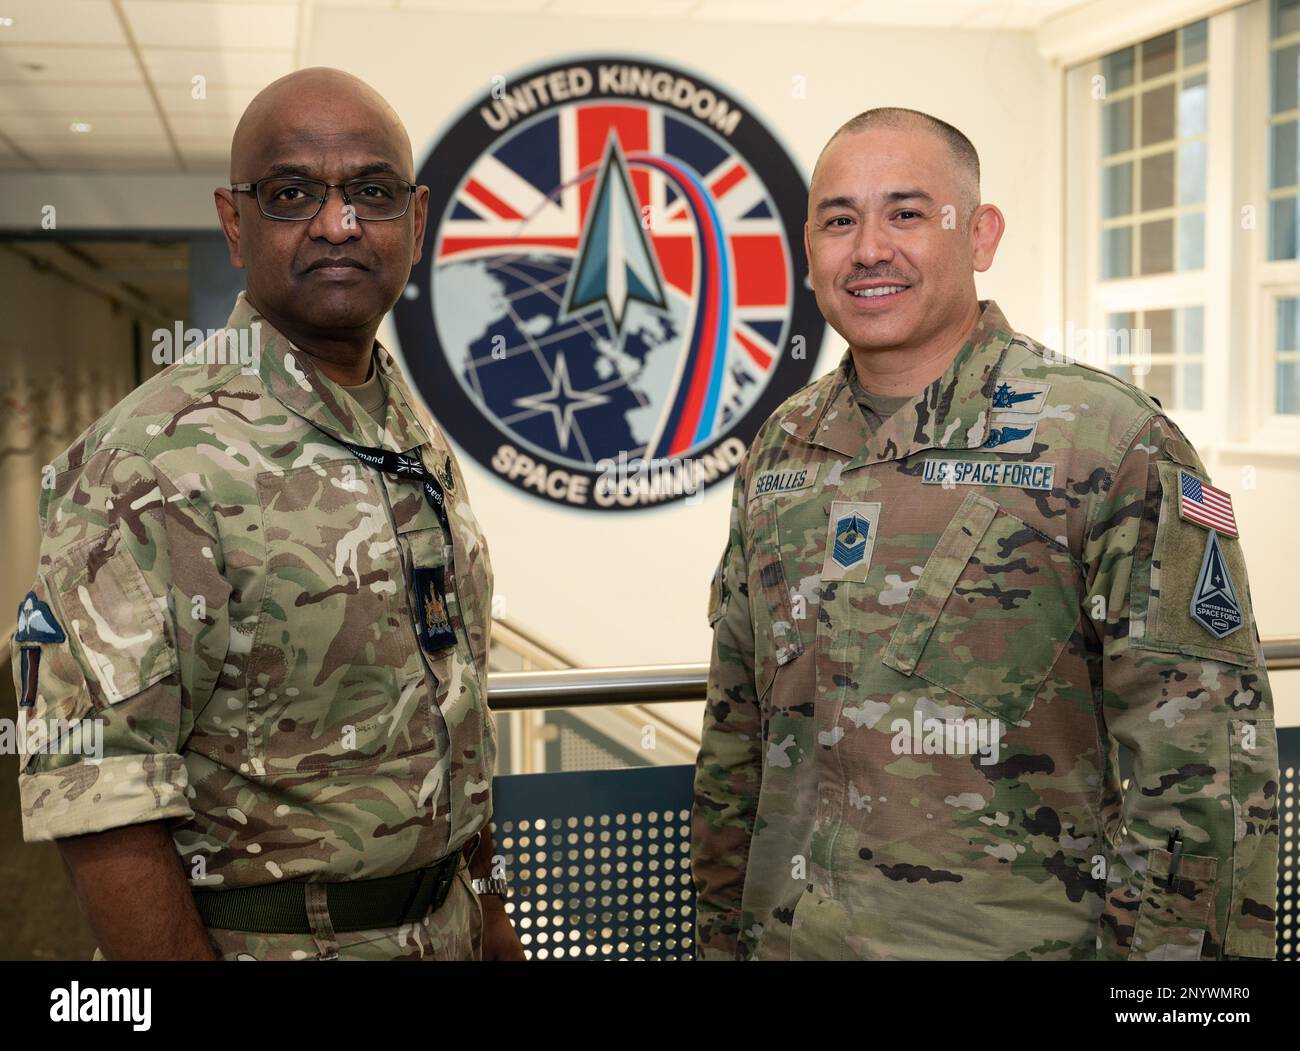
(490, 885)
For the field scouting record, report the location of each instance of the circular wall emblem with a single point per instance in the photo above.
(609, 303)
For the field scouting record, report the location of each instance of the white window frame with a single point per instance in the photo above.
(1238, 286)
(1271, 280)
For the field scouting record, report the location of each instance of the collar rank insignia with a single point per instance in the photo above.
(432, 617)
(36, 622)
(1214, 599)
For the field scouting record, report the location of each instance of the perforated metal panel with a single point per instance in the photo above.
(599, 862)
(1288, 879)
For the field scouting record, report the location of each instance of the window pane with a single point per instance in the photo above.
(1117, 68)
(1191, 387)
(1117, 190)
(1159, 383)
(1158, 181)
(1191, 173)
(1157, 247)
(1191, 241)
(1288, 387)
(1158, 115)
(1117, 126)
(1283, 162)
(1194, 43)
(1161, 324)
(1282, 231)
(1285, 78)
(1120, 340)
(1192, 101)
(1117, 252)
(1288, 324)
(1193, 319)
(1158, 55)
(1286, 17)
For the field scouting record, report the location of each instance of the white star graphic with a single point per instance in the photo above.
(562, 401)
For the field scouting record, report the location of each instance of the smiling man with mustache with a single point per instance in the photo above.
(963, 574)
(268, 586)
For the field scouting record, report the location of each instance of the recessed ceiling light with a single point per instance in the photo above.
(5, 21)
(79, 126)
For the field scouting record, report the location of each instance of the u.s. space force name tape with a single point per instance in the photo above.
(989, 472)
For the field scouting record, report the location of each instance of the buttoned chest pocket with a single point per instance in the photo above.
(329, 675)
(991, 613)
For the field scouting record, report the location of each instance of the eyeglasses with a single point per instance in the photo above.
(300, 200)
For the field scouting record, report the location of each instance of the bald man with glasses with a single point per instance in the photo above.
(260, 575)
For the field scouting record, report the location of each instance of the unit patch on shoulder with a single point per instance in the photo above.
(36, 622)
(1214, 598)
(850, 539)
(786, 480)
(1021, 395)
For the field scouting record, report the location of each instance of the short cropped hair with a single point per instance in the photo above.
(962, 149)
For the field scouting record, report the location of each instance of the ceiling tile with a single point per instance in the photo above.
(56, 125)
(225, 67)
(68, 65)
(513, 6)
(189, 23)
(62, 22)
(766, 10)
(219, 102)
(103, 98)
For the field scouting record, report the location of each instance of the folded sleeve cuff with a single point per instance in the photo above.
(98, 794)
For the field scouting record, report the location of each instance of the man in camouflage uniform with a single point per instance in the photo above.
(962, 574)
(267, 586)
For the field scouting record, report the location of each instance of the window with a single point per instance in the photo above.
(1160, 351)
(1284, 129)
(1153, 155)
(1287, 347)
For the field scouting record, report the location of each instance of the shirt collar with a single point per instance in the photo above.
(951, 413)
(292, 379)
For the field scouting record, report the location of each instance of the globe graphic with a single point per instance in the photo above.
(570, 387)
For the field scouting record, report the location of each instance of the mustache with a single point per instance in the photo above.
(877, 274)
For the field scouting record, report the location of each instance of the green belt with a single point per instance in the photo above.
(359, 905)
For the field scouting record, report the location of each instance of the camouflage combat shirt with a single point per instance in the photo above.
(931, 641)
(286, 649)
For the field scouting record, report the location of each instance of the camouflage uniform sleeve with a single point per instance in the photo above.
(1195, 712)
(125, 632)
(729, 768)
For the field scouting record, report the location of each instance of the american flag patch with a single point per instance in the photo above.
(1205, 505)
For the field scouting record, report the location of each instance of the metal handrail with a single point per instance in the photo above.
(656, 683)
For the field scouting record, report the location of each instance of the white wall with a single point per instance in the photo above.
(631, 587)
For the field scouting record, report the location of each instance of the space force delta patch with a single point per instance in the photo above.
(989, 472)
(1214, 598)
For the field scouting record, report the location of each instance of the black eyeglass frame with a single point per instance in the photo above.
(251, 187)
